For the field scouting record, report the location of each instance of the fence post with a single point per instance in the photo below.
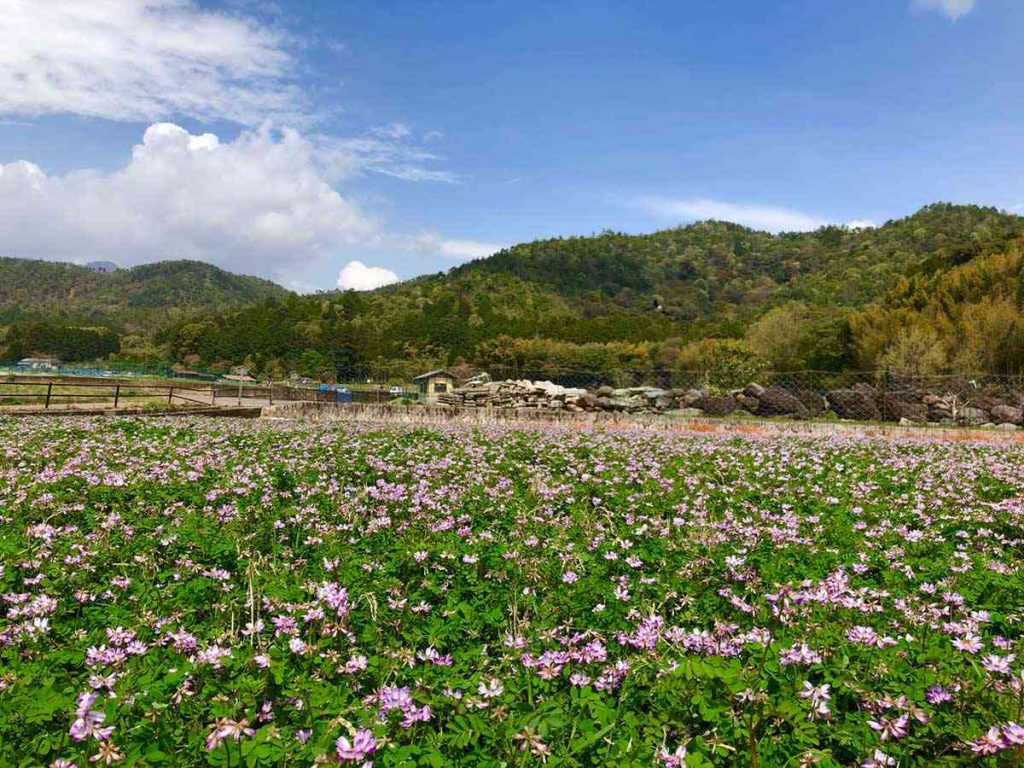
(239, 393)
(170, 394)
(884, 409)
(117, 394)
(49, 391)
(271, 391)
(213, 394)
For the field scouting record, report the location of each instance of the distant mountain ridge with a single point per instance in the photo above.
(612, 299)
(137, 299)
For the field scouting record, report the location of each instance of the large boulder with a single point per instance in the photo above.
(853, 403)
(1007, 414)
(896, 407)
(716, 405)
(753, 389)
(776, 401)
(747, 403)
(813, 401)
(691, 396)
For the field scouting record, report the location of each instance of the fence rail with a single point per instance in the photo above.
(52, 392)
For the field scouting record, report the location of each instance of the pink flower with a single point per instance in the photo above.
(675, 759)
(225, 728)
(938, 695)
(968, 643)
(879, 760)
(363, 743)
(999, 665)
(87, 722)
(1013, 734)
(989, 743)
(819, 698)
(894, 729)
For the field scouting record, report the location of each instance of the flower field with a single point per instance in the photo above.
(236, 593)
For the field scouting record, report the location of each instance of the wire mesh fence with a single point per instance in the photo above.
(877, 396)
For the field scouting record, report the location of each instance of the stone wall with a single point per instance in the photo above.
(860, 402)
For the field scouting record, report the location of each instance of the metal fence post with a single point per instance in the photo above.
(117, 394)
(271, 391)
(49, 391)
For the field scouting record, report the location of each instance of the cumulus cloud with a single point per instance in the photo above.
(356, 276)
(769, 218)
(951, 9)
(861, 224)
(258, 204)
(143, 60)
(148, 60)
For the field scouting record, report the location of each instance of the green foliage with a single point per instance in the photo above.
(725, 362)
(614, 301)
(828, 299)
(66, 342)
(140, 299)
(213, 593)
(968, 317)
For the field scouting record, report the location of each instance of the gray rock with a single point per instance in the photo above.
(896, 407)
(1007, 414)
(813, 402)
(691, 396)
(749, 404)
(853, 404)
(753, 389)
(717, 405)
(776, 401)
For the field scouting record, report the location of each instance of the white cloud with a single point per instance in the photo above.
(467, 249)
(951, 9)
(148, 60)
(357, 276)
(391, 151)
(142, 60)
(433, 244)
(763, 217)
(259, 204)
(861, 224)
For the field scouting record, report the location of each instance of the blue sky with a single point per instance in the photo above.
(409, 136)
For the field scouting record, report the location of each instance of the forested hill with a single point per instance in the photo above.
(616, 300)
(832, 298)
(719, 269)
(140, 299)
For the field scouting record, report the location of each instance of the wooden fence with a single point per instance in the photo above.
(50, 392)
